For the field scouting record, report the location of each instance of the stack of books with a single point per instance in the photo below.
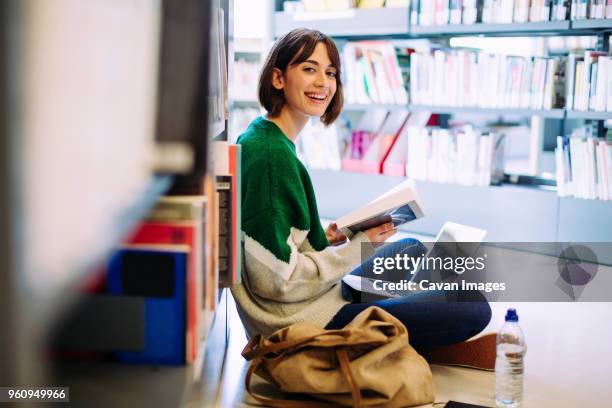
(584, 166)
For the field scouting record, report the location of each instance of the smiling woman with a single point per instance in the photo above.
(291, 270)
(300, 79)
(292, 267)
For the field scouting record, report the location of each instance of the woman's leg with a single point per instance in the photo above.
(431, 319)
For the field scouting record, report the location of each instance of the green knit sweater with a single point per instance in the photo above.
(290, 273)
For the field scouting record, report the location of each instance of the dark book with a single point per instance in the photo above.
(157, 273)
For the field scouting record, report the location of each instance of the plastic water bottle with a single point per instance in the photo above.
(511, 348)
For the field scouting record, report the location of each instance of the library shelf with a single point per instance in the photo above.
(593, 115)
(245, 103)
(247, 46)
(394, 23)
(509, 213)
(108, 383)
(545, 113)
(513, 29)
(599, 23)
(353, 23)
(123, 223)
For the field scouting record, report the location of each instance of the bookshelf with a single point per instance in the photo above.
(353, 23)
(517, 29)
(509, 213)
(547, 216)
(74, 183)
(365, 18)
(550, 113)
(395, 23)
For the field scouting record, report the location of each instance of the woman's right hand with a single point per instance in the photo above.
(380, 233)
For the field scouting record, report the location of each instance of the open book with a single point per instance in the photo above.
(399, 205)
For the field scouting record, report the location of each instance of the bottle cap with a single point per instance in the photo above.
(511, 315)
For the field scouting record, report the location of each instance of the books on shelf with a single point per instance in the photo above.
(584, 166)
(590, 9)
(466, 78)
(399, 205)
(191, 234)
(159, 274)
(372, 73)
(372, 147)
(227, 171)
(374, 157)
(442, 12)
(318, 146)
(463, 156)
(362, 137)
(589, 82)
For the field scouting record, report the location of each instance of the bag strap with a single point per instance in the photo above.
(345, 366)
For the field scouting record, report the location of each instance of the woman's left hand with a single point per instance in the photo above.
(334, 235)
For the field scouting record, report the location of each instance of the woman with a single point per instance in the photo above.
(292, 272)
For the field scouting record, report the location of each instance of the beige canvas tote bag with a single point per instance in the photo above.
(368, 363)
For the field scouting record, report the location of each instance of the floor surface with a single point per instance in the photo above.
(568, 363)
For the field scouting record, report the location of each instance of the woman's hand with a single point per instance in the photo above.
(381, 233)
(334, 235)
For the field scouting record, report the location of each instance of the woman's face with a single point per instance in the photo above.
(310, 85)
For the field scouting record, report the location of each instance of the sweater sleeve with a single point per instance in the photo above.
(306, 274)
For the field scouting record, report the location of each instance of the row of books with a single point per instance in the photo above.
(584, 166)
(399, 143)
(458, 77)
(589, 82)
(175, 260)
(334, 5)
(468, 78)
(318, 146)
(442, 12)
(372, 73)
(590, 9)
(465, 156)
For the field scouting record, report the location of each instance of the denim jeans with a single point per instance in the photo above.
(430, 317)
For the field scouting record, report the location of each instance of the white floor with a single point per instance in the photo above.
(568, 362)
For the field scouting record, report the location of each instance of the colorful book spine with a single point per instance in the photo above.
(183, 233)
(160, 276)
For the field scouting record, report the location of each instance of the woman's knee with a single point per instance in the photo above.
(481, 315)
(411, 246)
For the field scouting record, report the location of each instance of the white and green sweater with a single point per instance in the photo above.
(290, 273)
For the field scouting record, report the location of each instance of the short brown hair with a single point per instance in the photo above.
(284, 52)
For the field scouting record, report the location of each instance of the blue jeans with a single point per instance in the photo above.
(431, 318)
